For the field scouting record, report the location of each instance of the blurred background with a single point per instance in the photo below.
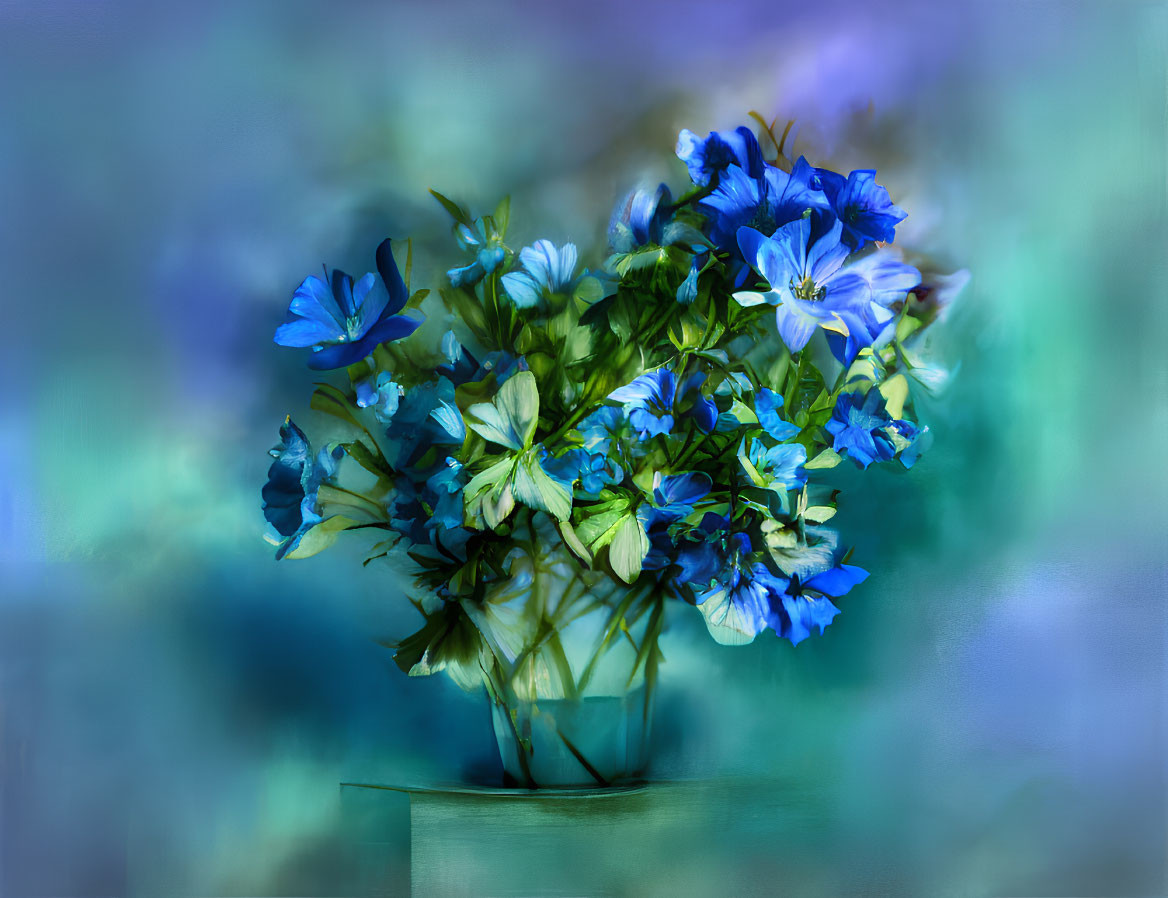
(986, 717)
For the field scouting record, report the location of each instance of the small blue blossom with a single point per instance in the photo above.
(703, 410)
(706, 158)
(766, 405)
(675, 495)
(343, 322)
(862, 205)
(858, 424)
(648, 401)
(415, 429)
(381, 394)
(547, 270)
(294, 479)
(489, 254)
(594, 471)
(446, 486)
(640, 219)
(781, 467)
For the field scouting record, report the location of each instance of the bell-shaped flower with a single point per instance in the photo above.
(862, 205)
(344, 321)
(707, 157)
(291, 503)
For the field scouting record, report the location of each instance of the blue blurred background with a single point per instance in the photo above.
(987, 716)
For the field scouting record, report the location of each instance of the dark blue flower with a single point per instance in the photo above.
(593, 470)
(764, 203)
(703, 409)
(859, 424)
(862, 205)
(648, 400)
(343, 322)
(706, 158)
(675, 495)
(640, 219)
(803, 605)
(294, 479)
(738, 606)
(415, 428)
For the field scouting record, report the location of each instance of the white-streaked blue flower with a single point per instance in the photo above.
(547, 269)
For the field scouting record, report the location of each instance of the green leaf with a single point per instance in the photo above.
(321, 536)
(828, 458)
(588, 290)
(819, 513)
(510, 418)
(629, 546)
(456, 211)
(502, 216)
(597, 530)
(370, 461)
(488, 497)
(743, 413)
(573, 542)
(328, 399)
(895, 392)
(536, 489)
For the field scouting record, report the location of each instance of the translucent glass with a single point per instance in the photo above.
(575, 663)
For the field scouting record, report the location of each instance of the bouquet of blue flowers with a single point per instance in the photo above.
(562, 444)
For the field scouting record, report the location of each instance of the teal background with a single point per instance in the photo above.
(986, 717)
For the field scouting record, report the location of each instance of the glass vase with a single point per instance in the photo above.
(574, 668)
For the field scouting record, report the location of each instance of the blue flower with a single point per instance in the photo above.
(862, 205)
(708, 157)
(763, 203)
(593, 470)
(699, 554)
(703, 410)
(446, 488)
(547, 270)
(640, 219)
(599, 429)
(343, 321)
(780, 467)
(294, 479)
(873, 323)
(801, 606)
(489, 254)
(381, 394)
(415, 428)
(675, 495)
(648, 402)
(738, 606)
(766, 405)
(859, 424)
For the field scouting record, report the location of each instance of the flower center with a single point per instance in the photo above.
(807, 289)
